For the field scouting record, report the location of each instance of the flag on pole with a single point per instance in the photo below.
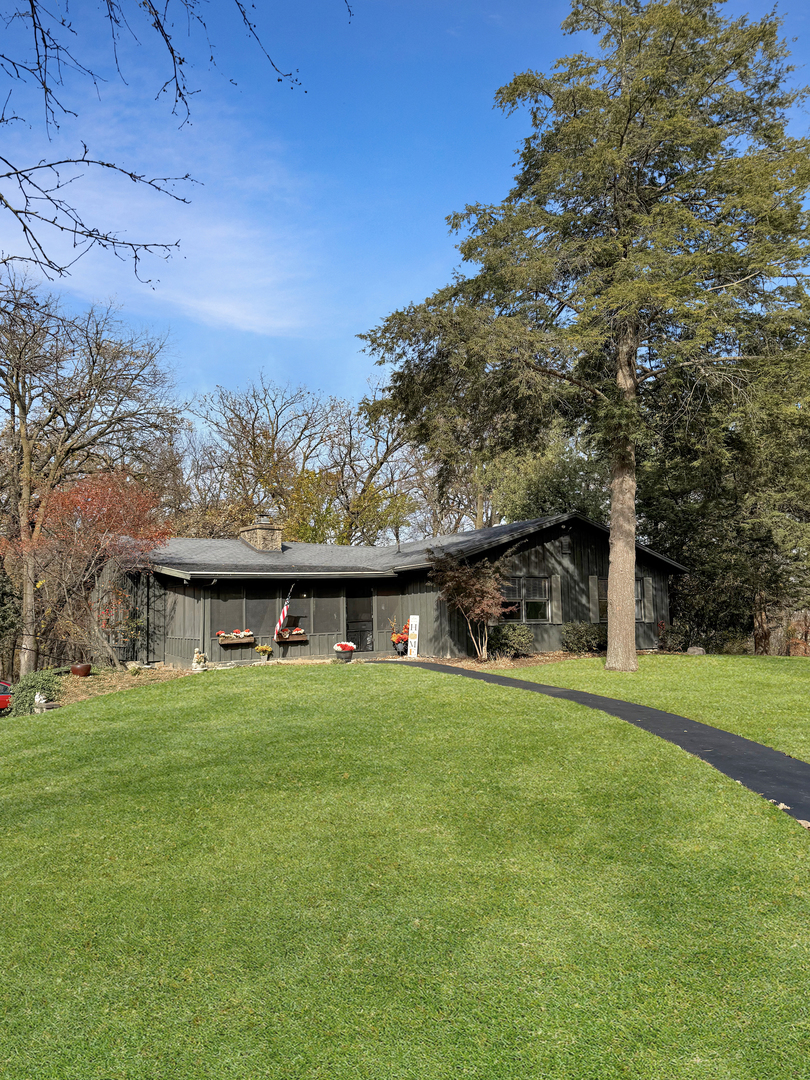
(284, 610)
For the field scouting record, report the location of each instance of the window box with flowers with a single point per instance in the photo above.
(292, 636)
(238, 637)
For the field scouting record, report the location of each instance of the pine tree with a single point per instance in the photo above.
(655, 238)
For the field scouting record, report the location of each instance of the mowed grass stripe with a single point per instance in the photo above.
(355, 871)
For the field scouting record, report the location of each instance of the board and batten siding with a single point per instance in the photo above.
(184, 617)
(573, 577)
(183, 614)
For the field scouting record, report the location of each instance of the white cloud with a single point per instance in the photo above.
(249, 254)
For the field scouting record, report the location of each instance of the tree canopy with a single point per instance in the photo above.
(654, 244)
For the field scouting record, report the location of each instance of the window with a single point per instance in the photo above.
(602, 584)
(639, 594)
(530, 597)
(535, 594)
(512, 596)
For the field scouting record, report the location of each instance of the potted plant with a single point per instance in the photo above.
(399, 638)
(265, 651)
(345, 651)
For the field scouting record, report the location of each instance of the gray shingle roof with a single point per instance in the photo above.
(235, 558)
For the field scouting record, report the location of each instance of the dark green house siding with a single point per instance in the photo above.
(572, 556)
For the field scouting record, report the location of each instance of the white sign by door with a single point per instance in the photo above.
(413, 634)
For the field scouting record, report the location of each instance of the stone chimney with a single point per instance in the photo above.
(263, 535)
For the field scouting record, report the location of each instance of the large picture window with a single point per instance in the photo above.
(530, 597)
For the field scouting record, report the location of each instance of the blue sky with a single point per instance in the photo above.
(317, 213)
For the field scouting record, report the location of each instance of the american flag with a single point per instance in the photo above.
(283, 614)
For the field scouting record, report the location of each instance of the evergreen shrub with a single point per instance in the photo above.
(511, 639)
(672, 638)
(582, 637)
(44, 682)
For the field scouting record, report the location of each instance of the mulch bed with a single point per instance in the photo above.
(109, 682)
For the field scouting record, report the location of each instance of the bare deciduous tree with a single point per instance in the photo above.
(45, 43)
(76, 395)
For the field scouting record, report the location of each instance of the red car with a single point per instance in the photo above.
(5, 694)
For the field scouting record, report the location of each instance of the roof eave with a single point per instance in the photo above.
(548, 523)
(285, 575)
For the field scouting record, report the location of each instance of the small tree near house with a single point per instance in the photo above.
(474, 589)
(94, 533)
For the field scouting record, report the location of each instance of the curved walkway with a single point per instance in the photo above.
(770, 773)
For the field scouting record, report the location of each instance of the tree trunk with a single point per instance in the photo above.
(479, 511)
(762, 631)
(621, 650)
(29, 646)
(100, 646)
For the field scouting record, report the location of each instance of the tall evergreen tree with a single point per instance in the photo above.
(655, 238)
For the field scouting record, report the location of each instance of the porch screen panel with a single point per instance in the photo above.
(227, 610)
(262, 609)
(300, 613)
(389, 602)
(326, 609)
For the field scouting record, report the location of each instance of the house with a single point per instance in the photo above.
(557, 570)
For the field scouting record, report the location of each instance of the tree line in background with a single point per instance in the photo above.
(100, 462)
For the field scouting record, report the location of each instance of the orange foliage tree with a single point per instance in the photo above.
(96, 532)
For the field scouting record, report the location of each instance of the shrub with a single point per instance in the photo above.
(672, 638)
(511, 639)
(736, 645)
(580, 637)
(36, 682)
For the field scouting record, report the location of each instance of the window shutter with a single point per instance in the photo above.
(649, 606)
(556, 599)
(593, 597)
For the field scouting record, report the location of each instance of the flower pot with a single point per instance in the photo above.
(82, 670)
(345, 656)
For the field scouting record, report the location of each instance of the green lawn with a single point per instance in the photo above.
(385, 873)
(765, 698)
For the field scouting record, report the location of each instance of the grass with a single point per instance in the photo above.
(385, 873)
(764, 698)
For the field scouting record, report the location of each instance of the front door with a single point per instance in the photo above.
(360, 617)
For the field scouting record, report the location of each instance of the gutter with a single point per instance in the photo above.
(283, 575)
